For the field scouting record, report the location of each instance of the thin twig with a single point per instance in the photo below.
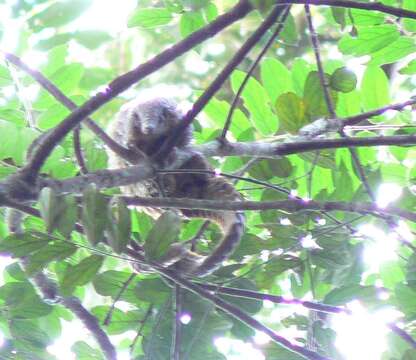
(279, 28)
(107, 319)
(177, 325)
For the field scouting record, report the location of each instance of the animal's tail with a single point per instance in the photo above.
(231, 223)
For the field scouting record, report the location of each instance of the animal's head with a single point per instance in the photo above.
(153, 117)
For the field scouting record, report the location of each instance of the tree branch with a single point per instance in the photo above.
(373, 6)
(291, 205)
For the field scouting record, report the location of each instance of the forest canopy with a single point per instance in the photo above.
(305, 106)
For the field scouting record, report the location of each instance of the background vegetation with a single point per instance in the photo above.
(320, 143)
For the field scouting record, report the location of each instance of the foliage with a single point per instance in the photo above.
(368, 63)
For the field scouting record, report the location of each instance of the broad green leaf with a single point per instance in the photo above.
(343, 80)
(375, 89)
(217, 111)
(256, 101)
(83, 351)
(9, 136)
(121, 321)
(190, 22)
(291, 112)
(152, 290)
(289, 35)
(5, 77)
(268, 168)
(94, 214)
(18, 245)
(210, 12)
(343, 295)
(58, 14)
(314, 99)
(28, 330)
(51, 208)
(66, 79)
(349, 104)
(66, 223)
(409, 69)
(22, 301)
(59, 250)
(409, 24)
(92, 39)
(81, 273)
(365, 17)
(275, 77)
(150, 17)
(15, 116)
(111, 283)
(300, 71)
(165, 232)
(339, 15)
(405, 299)
(393, 52)
(369, 40)
(118, 226)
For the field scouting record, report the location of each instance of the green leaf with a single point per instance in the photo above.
(22, 301)
(92, 39)
(66, 223)
(343, 80)
(51, 208)
(190, 22)
(314, 99)
(56, 251)
(58, 14)
(83, 351)
(29, 331)
(339, 15)
(81, 273)
(409, 24)
(120, 321)
(150, 17)
(119, 226)
(111, 283)
(256, 101)
(300, 71)
(409, 69)
(262, 5)
(217, 111)
(66, 79)
(275, 77)
(18, 245)
(15, 116)
(94, 214)
(343, 295)
(375, 90)
(165, 232)
(152, 291)
(365, 17)
(369, 40)
(291, 112)
(5, 77)
(393, 52)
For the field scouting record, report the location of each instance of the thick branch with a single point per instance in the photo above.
(349, 4)
(290, 205)
(263, 149)
(49, 291)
